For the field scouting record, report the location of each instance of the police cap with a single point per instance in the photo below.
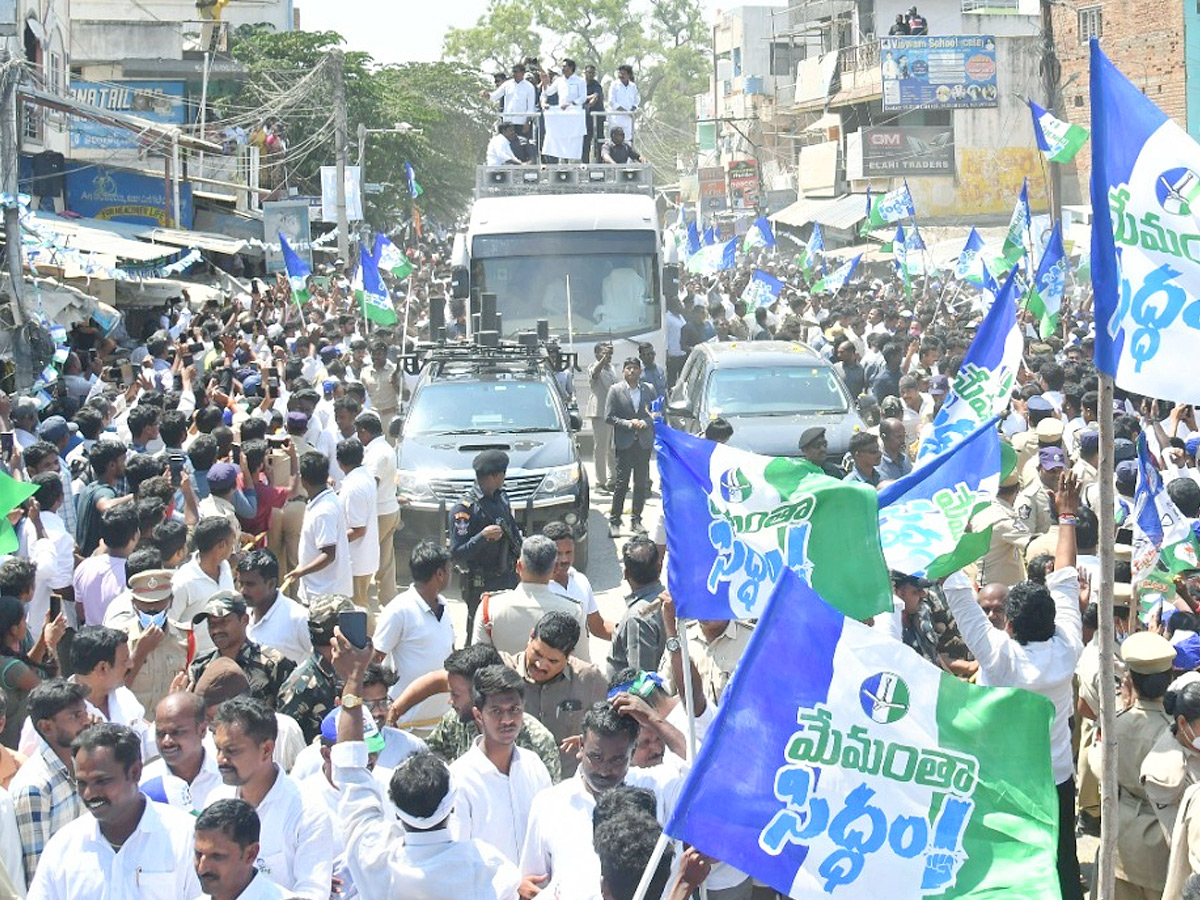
(490, 462)
(1147, 653)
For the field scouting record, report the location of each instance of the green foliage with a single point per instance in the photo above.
(440, 101)
(666, 41)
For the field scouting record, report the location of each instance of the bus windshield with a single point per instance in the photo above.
(610, 289)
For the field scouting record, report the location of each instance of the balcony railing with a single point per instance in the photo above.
(859, 58)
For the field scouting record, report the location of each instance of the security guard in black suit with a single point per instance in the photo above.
(484, 538)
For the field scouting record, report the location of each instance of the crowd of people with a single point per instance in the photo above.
(208, 500)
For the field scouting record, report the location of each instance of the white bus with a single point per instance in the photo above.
(576, 245)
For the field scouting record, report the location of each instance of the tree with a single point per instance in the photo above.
(288, 77)
(666, 41)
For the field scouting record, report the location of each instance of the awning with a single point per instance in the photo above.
(843, 212)
(213, 243)
(91, 236)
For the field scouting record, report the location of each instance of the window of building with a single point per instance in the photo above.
(1091, 24)
(784, 58)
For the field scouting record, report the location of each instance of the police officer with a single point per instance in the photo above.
(1142, 850)
(484, 537)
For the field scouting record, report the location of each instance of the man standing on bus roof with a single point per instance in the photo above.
(484, 536)
(623, 95)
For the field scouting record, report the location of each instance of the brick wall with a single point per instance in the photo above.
(1144, 39)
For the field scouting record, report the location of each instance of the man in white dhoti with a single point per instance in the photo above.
(566, 125)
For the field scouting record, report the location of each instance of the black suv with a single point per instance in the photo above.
(470, 398)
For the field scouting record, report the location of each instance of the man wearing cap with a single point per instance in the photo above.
(1037, 409)
(222, 482)
(814, 447)
(484, 535)
(227, 621)
(916, 619)
(159, 647)
(1086, 468)
(311, 690)
(1142, 849)
(58, 432)
(223, 680)
(865, 454)
(1004, 562)
(1035, 504)
(1049, 433)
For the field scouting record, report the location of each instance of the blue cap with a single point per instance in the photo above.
(1127, 473)
(1123, 450)
(1038, 403)
(328, 385)
(227, 417)
(222, 476)
(251, 384)
(329, 352)
(1187, 653)
(1192, 444)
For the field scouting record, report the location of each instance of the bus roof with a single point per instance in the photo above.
(563, 212)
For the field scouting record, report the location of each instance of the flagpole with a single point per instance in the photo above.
(689, 699)
(1106, 859)
(651, 867)
(570, 321)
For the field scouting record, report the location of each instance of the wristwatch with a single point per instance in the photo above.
(673, 645)
(351, 701)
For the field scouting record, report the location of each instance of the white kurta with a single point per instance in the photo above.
(622, 96)
(296, 849)
(155, 862)
(492, 806)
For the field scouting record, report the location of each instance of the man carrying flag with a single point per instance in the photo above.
(1058, 140)
(372, 293)
(298, 272)
(1038, 652)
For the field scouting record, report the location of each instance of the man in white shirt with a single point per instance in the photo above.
(324, 547)
(570, 582)
(518, 98)
(379, 458)
(185, 772)
(205, 574)
(414, 634)
(558, 856)
(359, 498)
(1038, 650)
(51, 548)
(124, 845)
(276, 621)
(418, 858)
(297, 839)
(227, 845)
(623, 95)
(499, 148)
(566, 127)
(497, 780)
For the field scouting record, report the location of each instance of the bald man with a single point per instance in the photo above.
(994, 598)
(894, 463)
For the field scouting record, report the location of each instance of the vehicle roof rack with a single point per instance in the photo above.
(528, 351)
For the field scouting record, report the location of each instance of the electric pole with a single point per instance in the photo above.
(1051, 72)
(9, 149)
(339, 137)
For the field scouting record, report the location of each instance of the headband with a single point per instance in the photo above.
(642, 686)
(439, 815)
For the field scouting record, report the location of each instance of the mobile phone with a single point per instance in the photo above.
(187, 359)
(354, 626)
(236, 451)
(196, 347)
(176, 465)
(91, 354)
(273, 384)
(55, 606)
(177, 382)
(126, 370)
(6, 442)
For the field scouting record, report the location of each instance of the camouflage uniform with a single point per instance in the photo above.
(932, 632)
(265, 669)
(452, 737)
(309, 694)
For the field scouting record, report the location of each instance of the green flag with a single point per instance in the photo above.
(12, 494)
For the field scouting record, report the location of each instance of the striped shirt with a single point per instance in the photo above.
(45, 799)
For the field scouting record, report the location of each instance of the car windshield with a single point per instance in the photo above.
(483, 407)
(775, 391)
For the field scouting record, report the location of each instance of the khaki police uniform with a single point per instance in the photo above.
(1142, 851)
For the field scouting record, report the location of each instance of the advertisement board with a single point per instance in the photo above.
(291, 218)
(116, 195)
(712, 181)
(909, 150)
(938, 72)
(743, 183)
(157, 101)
